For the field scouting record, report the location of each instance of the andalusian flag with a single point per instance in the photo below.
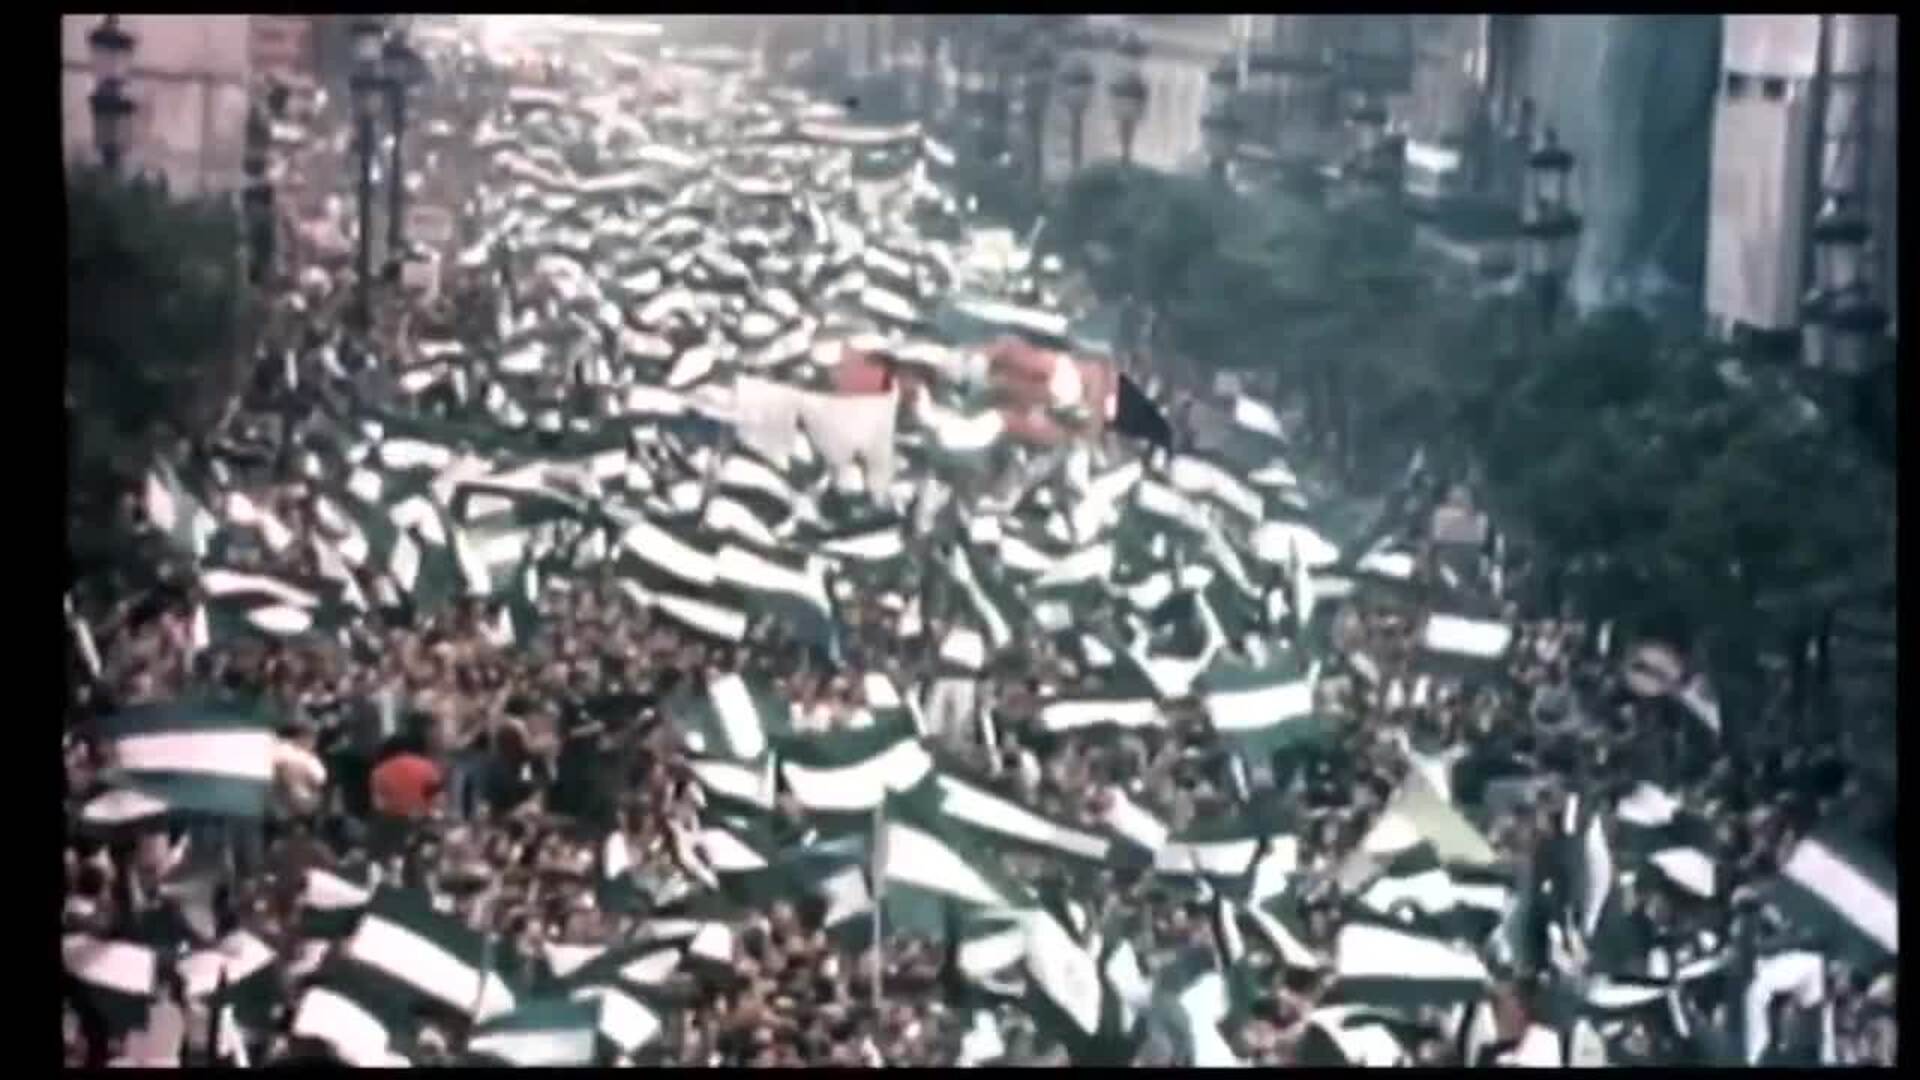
(1263, 708)
(540, 1034)
(852, 771)
(735, 716)
(432, 956)
(196, 756)
(1377, 963)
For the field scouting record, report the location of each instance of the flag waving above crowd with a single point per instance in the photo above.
(755, 635)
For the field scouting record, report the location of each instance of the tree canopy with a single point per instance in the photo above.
(157, 312)
(1675, 488)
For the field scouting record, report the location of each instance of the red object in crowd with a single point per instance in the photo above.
(406, 786)
(1022, 373)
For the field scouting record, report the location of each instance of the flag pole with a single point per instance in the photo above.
(485, 918)
(879, 902)
(218, 1004)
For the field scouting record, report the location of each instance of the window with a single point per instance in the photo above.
(1773, 89)
(1736, 85)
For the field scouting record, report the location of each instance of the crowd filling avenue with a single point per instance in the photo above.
(662, 553)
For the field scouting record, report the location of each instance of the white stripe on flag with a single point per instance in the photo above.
(222, 583)
(861, 785)
(1062, 970)
(537, 1049)
(1466, 637)
(963, 802)
(1830, 878)
(120, 966)
(624, 1022)
(245, 754)
(418, 961)
(1225, 858)
(739, 717)
(924, 861)
(1364, 950)
(355, 1035)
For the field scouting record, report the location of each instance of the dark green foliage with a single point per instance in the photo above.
(156, 311)
(1726, 506)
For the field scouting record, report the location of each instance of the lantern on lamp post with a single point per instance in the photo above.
(368, 88)
(1550, 229)
(1841, 315)
(1220, 132)
(1130, 92)
(111, 47)
(1039, 94)
(403, 69)
(1076, 89)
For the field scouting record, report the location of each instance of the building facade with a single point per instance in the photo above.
(190, 80)
(1807, 108)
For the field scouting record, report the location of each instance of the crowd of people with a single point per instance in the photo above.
(533, 762)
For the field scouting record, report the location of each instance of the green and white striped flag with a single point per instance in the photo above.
(120, 978)
(331, 905)
(239, 973)
(1416, 888)
(1375, 963)
(356, 1016)
(783, 585)
(1459, 641)
(196, 756)
(540, 1034)
(176, 515)
(969, 802)
(991, 604)
(1846, 893)
(734, 716)
(241, 604)
(403, 939)
(1262, 708)
(847, 772)
(924, 852)
(1347, 1036)
(1228, 849)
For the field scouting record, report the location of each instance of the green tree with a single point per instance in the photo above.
(157, 320)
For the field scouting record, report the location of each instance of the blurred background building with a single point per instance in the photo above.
(190, 85)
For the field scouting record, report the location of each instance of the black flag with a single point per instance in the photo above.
(1136, 415)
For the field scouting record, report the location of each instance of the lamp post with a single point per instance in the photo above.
(1220, 131)
(367, 87)
(111, 47)
(403, 70)
(258, 196)
(1549, 227)
(1263, 83)
(1039, 98)
(1219, 126)
(1130, 92)
(1842, 317)
(1076, 89)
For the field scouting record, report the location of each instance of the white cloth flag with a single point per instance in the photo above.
(853, 429)
(767, 417)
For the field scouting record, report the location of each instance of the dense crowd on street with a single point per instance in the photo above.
(572, 675)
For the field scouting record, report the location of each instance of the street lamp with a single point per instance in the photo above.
(1841, 315)
(1040, 65)
(112, 49)
(1222, 82)
(1076, 89)
(1550, 228)
(258, 196)
(1130, 92)
(404, 69)
(367, 88)
(1263, 77)
(1220, 130)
